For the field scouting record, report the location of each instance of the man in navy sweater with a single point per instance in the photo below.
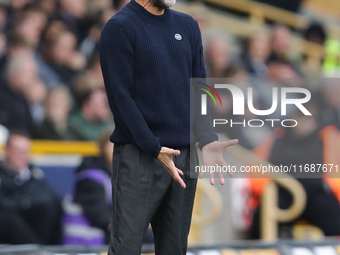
(148, 55)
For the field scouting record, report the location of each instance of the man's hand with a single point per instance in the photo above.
(165, 157)
(212, 155)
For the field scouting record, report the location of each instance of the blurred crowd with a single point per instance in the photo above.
(51, 87)
(50, 78)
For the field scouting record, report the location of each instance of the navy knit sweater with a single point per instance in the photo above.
(147, 61)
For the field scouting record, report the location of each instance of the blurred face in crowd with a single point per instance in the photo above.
(49, 6)
(55, 28)
(58, 106)
(280, 41)
(280, 70)
(18, 4)
(36, 92)
(259, 47)
(64, 48)
(218, 54)
(17, 152)
(96, 108)
(75, 7)
(22, 72)
(30, 29)
(40, 18)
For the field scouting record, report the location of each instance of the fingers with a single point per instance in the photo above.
(212, 178)
(175, 173)
(171, 152)
(220, 175)
(180, 172)
(230, 173)
(225, 165)
(176, 152)
(229, 143)
(200, 175)
(165, 157)
(177, 178)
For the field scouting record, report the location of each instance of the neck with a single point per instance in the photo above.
(150, 8)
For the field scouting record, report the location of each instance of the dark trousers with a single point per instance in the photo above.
(144, 192)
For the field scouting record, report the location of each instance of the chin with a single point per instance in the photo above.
(169, 3)
(164, 4)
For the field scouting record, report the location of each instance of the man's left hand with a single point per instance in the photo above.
(212, 155)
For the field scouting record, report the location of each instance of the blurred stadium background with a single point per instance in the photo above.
(51, 90)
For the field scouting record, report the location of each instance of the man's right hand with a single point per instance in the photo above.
(165, 157)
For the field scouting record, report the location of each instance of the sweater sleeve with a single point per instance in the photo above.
(117, 62)
(202, 127)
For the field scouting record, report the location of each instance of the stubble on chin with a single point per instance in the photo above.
(163, 4)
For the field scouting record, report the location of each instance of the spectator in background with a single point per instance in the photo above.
(36, 95)
(93, 117)
(48, 6)
(93, 193)
(93, 186)
(30, 211)
(57, 108)
(90, 43)
(94, 69)
(91, 79)
(18, 5)
(255, 55)
(309, 143)
(280, 67)
(280, 41)
(15, 46)
(60, 60)
(30, 26)
(316, 33)
(217, 57)
(72, 13)
(14, 108)
(54, 29)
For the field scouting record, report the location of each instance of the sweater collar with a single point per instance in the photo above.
(148, 15)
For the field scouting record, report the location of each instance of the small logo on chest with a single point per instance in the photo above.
(178, 37)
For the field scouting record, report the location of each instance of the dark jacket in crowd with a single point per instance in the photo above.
(46, 131)
(91, 195)
(32, 204)
(14, 110)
